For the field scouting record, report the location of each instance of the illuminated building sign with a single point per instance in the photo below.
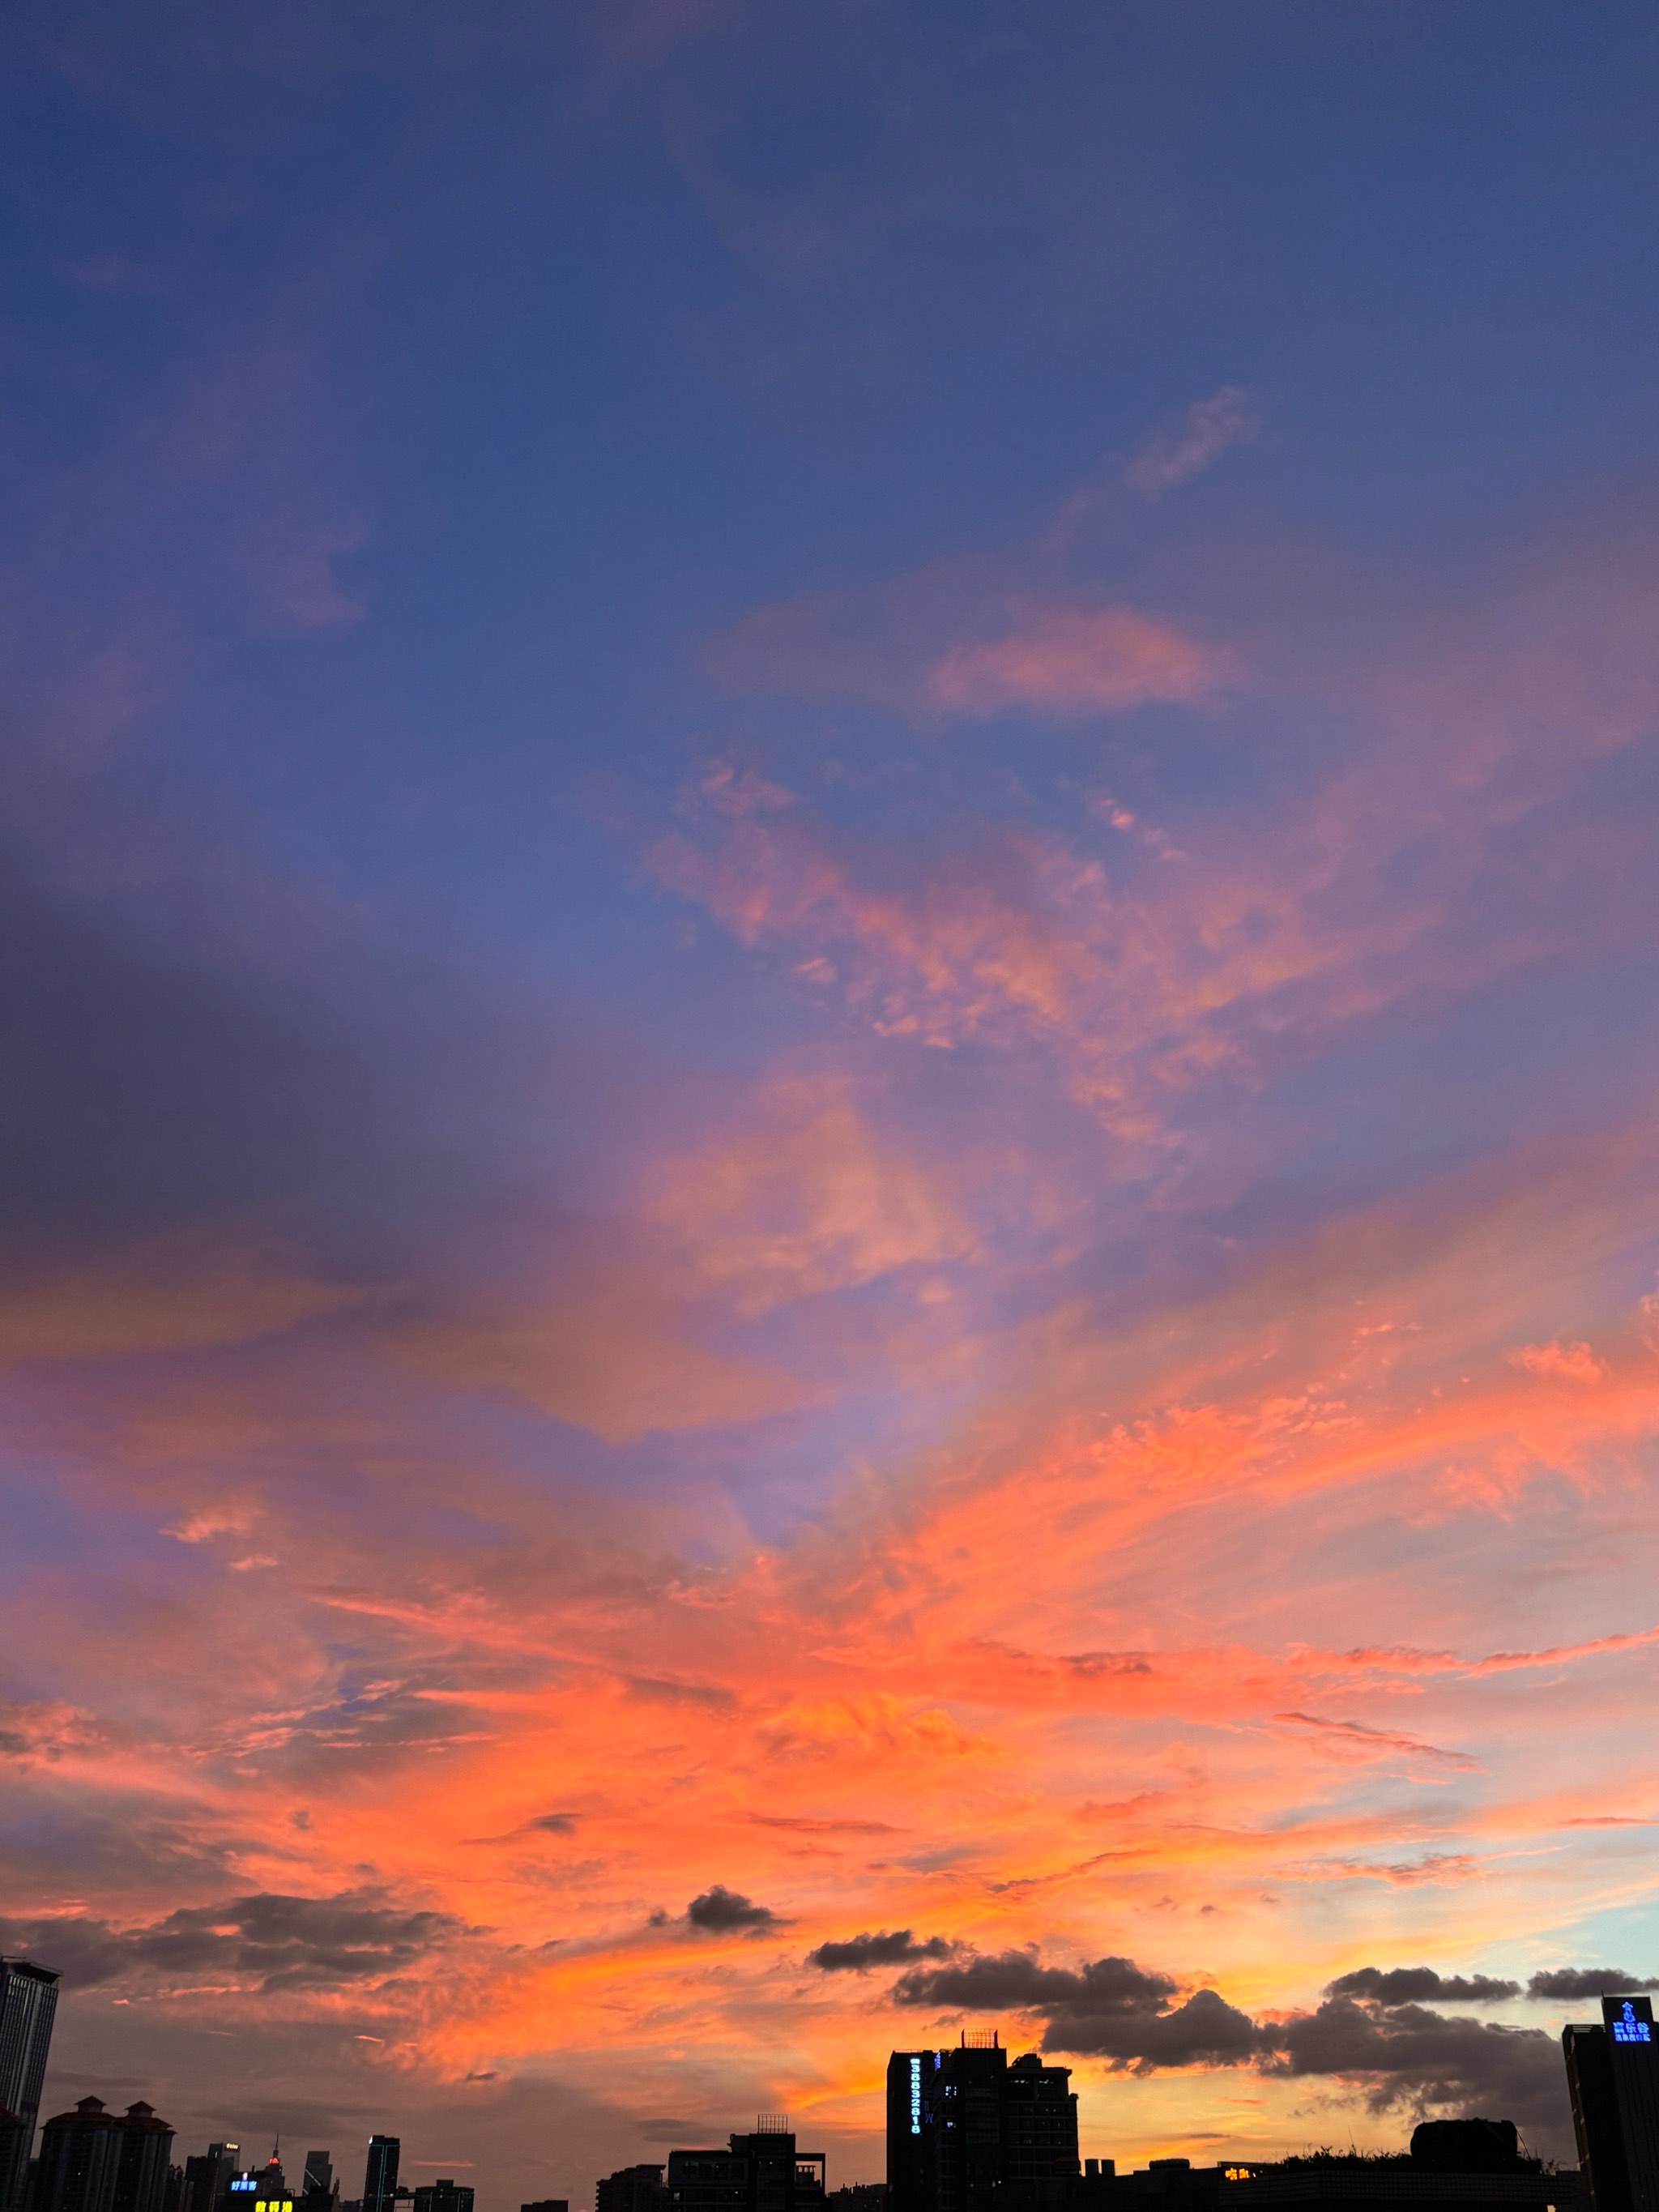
(915, 2096)
(1628, 2029)
(245, 2181)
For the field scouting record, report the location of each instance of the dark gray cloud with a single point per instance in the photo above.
(1418, 1984)
(1569, 1982)
(896, 1948)
(1205, 2031)
(1110, 2008)
(721, 1909)
(1018, 1981)
(1407, 2055)
(1369, 2037)
(268, 1941)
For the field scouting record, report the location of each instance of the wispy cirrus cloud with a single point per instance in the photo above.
(1193, 441)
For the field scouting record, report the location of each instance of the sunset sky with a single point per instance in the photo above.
(831, 954)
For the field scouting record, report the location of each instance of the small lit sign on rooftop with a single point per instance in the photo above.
(1628, 2029)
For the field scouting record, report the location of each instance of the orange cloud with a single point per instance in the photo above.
(1567, 1363)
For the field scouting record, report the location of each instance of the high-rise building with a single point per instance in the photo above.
(29, 2001)
(444, 2195)
(909, 2129)
(1613, 2078)
(380, 2180)
(142, 2170)
(80, 2156)
(93, 2161)
(320, 2174)
(966, 2129)
(759, 2172)
(631, 2189)
(14, 2159)
(208, 2176)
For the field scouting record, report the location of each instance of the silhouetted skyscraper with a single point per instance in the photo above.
(1612, 2077)
(28, 2002)
(320, 2174)
(380, 2180)
(910, 2130)
(964, 2128)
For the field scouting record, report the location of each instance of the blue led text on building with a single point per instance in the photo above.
(915, 2095)
(1628, 2029)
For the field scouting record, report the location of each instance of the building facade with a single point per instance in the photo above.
(967, 2131)
(381, 2177)
(760, 2172)
(91, 2160)
(1612, 2078)
(208, 2178)
(144, 2165)
(28, 2004)
(631, 2189)
(444, 2195)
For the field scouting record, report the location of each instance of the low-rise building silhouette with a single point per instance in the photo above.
(760, 2172)
(630, 2189)
(1475, 2165)
(445, 2194)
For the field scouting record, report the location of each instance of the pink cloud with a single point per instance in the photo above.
(1074, 660)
